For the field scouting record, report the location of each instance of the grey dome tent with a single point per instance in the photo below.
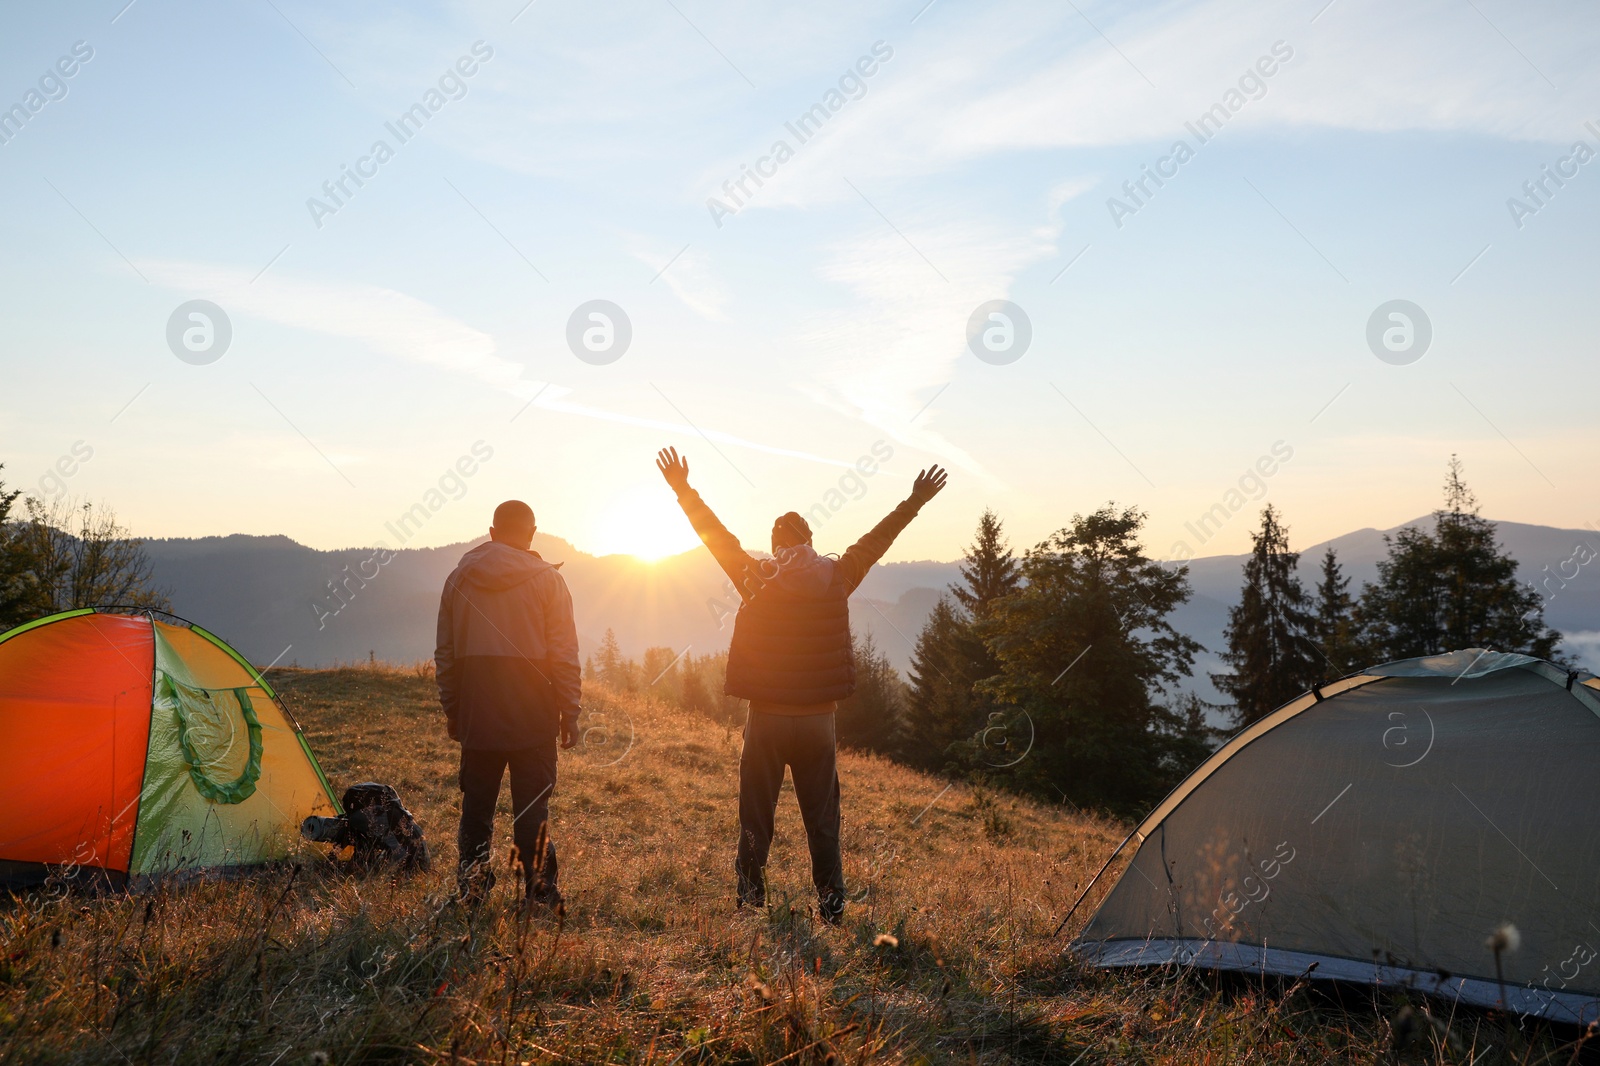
(1387, 828)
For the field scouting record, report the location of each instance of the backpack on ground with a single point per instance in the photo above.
(377, 828)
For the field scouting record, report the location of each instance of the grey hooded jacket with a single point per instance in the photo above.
(507, 649)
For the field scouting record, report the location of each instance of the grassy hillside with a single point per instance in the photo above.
(947, 957)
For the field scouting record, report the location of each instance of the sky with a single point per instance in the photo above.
(1215, 338)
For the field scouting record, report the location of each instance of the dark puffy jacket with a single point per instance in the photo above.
(507, 654)
(791, 638)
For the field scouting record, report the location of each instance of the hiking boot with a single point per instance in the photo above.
(752, 887)
(831, 908)
(543, 897)
(473, 885)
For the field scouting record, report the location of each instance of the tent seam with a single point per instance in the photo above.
(149, 730)
(59, 616)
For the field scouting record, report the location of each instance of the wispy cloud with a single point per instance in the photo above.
(382, 320)
(405, 328)
(960, 91)
(688, 273)
(905, 333)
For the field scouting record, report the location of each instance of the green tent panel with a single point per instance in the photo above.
(1391, 828)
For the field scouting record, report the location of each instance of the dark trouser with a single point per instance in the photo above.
(533, 777)
(804, 743)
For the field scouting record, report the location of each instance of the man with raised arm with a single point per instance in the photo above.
(791, 658)
(509, 680)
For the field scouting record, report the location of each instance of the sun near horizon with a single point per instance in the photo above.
(642, 521)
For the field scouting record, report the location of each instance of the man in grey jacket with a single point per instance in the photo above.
(509, 680)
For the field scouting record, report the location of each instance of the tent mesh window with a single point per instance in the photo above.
(220, 736)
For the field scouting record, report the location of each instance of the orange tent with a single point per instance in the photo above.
(132, 749)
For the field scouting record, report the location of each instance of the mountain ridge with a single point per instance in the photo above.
(278, 600)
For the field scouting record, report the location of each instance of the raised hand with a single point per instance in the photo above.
(674, 469)
(928, 484)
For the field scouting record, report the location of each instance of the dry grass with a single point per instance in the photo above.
(947, 957)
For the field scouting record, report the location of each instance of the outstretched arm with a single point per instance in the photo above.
(725, 548)
(869, 549)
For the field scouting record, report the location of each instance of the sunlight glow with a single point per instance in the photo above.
(643, 521)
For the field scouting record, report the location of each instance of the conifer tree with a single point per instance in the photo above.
(944, 707)
(1089, 663)
(869, 718)
(660, 674)
(1452, 588)
(695, 695)
(610, 664)
(988, 569)
(1270, 631)
(1335, 620)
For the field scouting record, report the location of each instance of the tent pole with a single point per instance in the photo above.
(1092, 882)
